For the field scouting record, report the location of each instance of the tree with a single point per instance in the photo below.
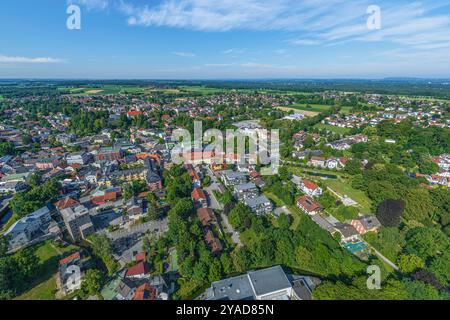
(9, 281)
(380, 191)
(409, 263)
(441, 201)
(441, 268)
(419, 205)
(92, 282)
(239, 215)
(429, 278)
(7, 148)
(227, 263)
(101, 247)
(27, 262)
(241, 259)
(200, 273)
(304, 258)
(284, 221)
(183, 209)
(389, 212)
(215, 271)
(426, 242)
(284, 173)
(419, 290)
(353, 167)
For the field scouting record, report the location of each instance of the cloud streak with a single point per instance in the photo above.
(183, 54)
(18, 59)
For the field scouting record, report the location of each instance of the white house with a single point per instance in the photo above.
(29, 228)
(310, 188)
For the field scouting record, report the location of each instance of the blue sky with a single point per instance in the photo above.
(212, 39)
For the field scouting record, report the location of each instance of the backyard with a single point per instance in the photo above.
(44, 287)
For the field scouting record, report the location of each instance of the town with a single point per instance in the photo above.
(88, 183)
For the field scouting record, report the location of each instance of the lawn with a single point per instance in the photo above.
(9, 223)
(173, 260)
(346, 110)
(344, 188)
(310, 107)
(313, 173)
(296, 213)
(44, 287)
(331, 128)
(44, 291)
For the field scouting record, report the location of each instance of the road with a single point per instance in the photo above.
(216, 205)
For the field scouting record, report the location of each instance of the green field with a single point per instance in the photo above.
(333, 129)
(105, 90)
(311, 107)
(44, 287)
(346, 110)
(202, 90)
(344, 188)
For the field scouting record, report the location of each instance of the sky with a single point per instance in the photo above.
(225, 39)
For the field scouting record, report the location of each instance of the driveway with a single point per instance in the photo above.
(230, 230)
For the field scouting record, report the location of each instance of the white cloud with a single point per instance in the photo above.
(310, 22)
(184, 54)
(92, 4)
(17, 59)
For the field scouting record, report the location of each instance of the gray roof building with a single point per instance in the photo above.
(265, 284)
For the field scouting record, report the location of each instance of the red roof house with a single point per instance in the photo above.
(138, 271)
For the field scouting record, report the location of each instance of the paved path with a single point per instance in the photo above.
(389, 262)
(216, 205)
(230, 229)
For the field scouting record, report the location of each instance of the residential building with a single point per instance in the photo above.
(80, 157)
(265, 284)
(109, 154)
(138, 271)
(12, 187)
(35, 227)
(366, 224)
(310, 188)
(318, 162)
(206, 216)
(231, 178)
(347, 231)
(78, 222)
(214, 244)
(308, 205)
(199, 198)
(70, 273)
(135, 208)
(244, 191)
(259, 205)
